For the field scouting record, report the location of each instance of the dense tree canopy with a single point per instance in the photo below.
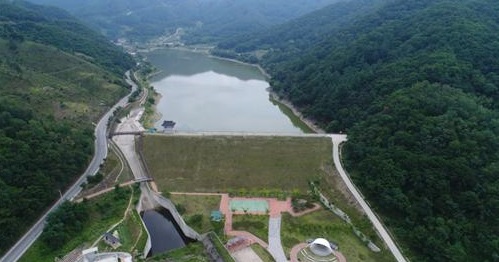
(64, 223)
(38, 157)
(56, 78)
(202, 20)
(55, 27)
(414, 84)
(429, 158)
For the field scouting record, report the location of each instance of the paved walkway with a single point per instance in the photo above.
(246, 255)
(304, 212)
(248, 235)
(275, 246)
(295, 250)
(276, 207)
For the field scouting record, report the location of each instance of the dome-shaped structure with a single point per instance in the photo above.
(321, 247)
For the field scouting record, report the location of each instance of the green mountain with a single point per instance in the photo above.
(56, 78)
(205, 20)
(414, 84)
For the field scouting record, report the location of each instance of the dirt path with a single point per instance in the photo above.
(109, 189)
(304, 212)
(119, 222)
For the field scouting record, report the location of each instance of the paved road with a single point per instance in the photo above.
(126, 143)
(100, 153)
(337, 140)
(275, 246)
(231, 133)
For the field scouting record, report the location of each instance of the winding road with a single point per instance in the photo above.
(100, 154)
(337, 140)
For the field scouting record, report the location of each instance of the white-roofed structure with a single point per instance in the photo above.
(92, 255)
(321, 247)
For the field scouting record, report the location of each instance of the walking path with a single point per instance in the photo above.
(276, 207)
(337, 140)
(248, 235)
(119, 222)
(109, 189)
(247, 255)
(295, 250)
(275, 246)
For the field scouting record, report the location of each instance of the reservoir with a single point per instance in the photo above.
(202, 93)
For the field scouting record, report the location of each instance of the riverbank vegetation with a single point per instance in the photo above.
(414, 85)
(56, 78)
(151, 115)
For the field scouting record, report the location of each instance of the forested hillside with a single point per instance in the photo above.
(56, 77)
(414, 84)
(204, 20)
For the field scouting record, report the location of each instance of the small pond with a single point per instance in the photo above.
(165, 234)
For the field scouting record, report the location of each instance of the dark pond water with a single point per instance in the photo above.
(165, 233)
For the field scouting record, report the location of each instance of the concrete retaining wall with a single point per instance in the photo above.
(158, 200)
(168, 204)
(148, 246)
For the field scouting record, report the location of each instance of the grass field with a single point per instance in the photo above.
(258, 225)
(227, 164)
(197, 205)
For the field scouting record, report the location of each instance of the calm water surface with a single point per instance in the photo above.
(202, 93)
(164, 235)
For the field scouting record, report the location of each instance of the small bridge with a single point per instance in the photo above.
(143, 179)
(126, 133)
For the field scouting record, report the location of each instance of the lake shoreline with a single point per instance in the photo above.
(274, 96)
(307, 121)
(207, 53)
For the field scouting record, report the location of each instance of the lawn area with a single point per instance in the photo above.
(104, 211)
(258, 225)
(323, 223)
(189, 206)
(131, 232)
(236, 163)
